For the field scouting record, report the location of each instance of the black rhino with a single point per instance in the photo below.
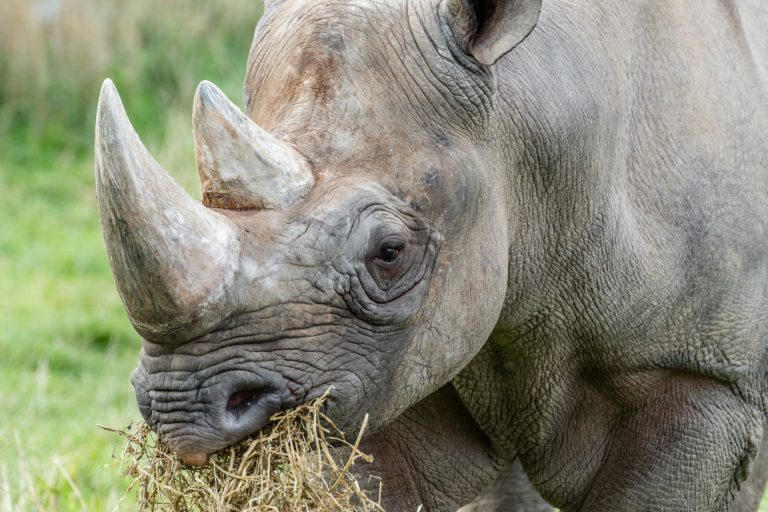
(509, 230)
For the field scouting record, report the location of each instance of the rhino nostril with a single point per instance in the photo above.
(248, 409)
(242, 401)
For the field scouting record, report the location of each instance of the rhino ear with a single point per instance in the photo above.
(488, 29)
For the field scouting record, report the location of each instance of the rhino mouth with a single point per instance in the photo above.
(200, 412)
(200, 416)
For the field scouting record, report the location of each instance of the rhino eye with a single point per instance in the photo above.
(389, 252)
(395, 258)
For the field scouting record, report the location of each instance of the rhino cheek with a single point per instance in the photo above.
(462, 306)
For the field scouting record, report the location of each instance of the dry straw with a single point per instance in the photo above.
(287, 467)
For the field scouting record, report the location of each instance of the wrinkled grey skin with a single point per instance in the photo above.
(583, 261)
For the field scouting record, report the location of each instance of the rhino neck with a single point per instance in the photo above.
(432, 455)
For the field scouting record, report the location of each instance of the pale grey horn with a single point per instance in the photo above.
(241, 166)
(173, 259)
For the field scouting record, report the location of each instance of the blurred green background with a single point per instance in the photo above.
(66, 347)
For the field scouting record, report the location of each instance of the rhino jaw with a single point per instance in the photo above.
(172, 258)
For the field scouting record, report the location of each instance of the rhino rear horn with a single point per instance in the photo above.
(242, 166)
(488, 29)
(171, 257)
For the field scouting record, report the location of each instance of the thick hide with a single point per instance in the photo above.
(526, 237)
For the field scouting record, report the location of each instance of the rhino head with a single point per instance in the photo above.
(352, 233)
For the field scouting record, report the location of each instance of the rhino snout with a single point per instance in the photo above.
(198, 417)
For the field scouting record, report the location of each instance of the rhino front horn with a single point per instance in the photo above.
(172, 258)
(241, 166)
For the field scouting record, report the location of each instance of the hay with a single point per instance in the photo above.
(286, 467)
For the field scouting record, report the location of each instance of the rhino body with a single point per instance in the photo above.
(515, 234)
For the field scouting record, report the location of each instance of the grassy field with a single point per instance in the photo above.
(66, 347)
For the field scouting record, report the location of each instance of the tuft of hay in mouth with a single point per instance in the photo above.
(287, 467)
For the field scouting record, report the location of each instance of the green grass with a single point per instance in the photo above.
(66, 347)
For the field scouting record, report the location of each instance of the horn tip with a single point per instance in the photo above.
(107, 84)
(208, 96)
(108, 92)
(107, 124)
(110, 106)
(207, 84)
(116, 141)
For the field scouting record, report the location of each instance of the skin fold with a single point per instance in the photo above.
(435, 455)
(527, 238)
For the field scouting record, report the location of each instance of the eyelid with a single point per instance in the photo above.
(395, 244)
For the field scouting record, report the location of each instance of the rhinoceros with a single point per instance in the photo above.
(515, 233)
